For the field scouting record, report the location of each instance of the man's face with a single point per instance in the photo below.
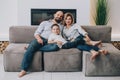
(58, 16)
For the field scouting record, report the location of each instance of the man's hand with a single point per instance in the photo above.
(40, 41)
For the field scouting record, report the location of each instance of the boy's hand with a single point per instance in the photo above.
(59, 42)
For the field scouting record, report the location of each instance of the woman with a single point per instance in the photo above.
(72, 31)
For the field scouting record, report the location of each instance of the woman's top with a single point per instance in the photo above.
(73, 32)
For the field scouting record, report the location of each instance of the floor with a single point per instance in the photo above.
(49, 75)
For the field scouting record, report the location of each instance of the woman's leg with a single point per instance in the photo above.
(73, 44)
(87, 47)
(94, 50)
(94, 54)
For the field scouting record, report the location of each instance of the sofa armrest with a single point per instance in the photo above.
(21, 34)
(99, 33)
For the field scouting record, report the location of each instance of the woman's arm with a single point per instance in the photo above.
(87, 37)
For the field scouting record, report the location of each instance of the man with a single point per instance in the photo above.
(40, 42)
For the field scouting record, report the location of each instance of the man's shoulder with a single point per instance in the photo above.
(46, 21)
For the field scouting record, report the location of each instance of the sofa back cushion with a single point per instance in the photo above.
(21, 34)
(99, 32)
(25, 34)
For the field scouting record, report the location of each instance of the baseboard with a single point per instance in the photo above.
(4, 37)
(115, 37)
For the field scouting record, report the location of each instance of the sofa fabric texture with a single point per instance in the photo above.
(104, 65)
(13, 57)
(21, 34)
(96, 33)
(64, 59)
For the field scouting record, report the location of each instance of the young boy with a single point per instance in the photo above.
(56, 36)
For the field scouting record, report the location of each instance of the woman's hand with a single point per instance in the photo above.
(87, 38)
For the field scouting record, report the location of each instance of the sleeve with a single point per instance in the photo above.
(40, 28)
(63, 34)
(80, 29)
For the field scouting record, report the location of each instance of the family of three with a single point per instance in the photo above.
(59, 32)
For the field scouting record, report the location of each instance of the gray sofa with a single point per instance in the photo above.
(64, 59)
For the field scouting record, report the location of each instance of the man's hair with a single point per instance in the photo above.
(55, 25)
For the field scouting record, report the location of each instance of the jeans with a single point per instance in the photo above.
(87, 47)
(49, 48)
(73, 44)
(32, 48)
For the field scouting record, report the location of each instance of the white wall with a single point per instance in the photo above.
(8, 17)
(17, 12)
(115, 18)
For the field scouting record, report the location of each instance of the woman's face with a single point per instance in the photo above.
(68, 20)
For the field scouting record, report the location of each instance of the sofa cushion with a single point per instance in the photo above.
(99, 32)
(13, 56)
(104, 65)
(21, 34)
(63, 60)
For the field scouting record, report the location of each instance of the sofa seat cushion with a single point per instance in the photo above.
(13, 56)
(63, 60)
(104, 65)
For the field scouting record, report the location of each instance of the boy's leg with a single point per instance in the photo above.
(49, 48)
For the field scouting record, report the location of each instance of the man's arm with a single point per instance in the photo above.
(37, 36)
(39, 31)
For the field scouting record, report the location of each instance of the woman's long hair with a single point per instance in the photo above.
(65, 17)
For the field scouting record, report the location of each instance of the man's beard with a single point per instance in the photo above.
(58, 20)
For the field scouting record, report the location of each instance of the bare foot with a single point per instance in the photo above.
(93, 43)
(103, 52)
(100, 45)
(94, 54)
(25, 48)
(22, 73)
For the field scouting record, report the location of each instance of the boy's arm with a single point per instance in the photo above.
(51, 39)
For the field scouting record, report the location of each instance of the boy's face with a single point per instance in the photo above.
(56, 30)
